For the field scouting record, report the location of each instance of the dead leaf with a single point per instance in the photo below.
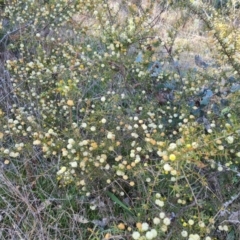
(80, 219)
(100, 223)
(43, 205)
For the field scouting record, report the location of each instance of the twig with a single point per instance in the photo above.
(5, 37)
(195, 198)
(229, 202)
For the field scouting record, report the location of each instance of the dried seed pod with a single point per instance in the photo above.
(162, 98)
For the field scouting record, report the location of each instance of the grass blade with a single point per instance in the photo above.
(119, 202)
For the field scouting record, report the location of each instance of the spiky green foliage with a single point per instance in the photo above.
(120, 119)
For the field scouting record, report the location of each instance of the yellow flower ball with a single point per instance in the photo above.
(121, 226)
(139, 225)
(6, 162)
(70, 103)
(172, 157)
(1, 135)
(107, 236)
(165, 157)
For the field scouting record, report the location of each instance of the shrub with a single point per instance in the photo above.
(108, 97)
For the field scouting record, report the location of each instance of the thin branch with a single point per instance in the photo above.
(193, 194)
(7, 35)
